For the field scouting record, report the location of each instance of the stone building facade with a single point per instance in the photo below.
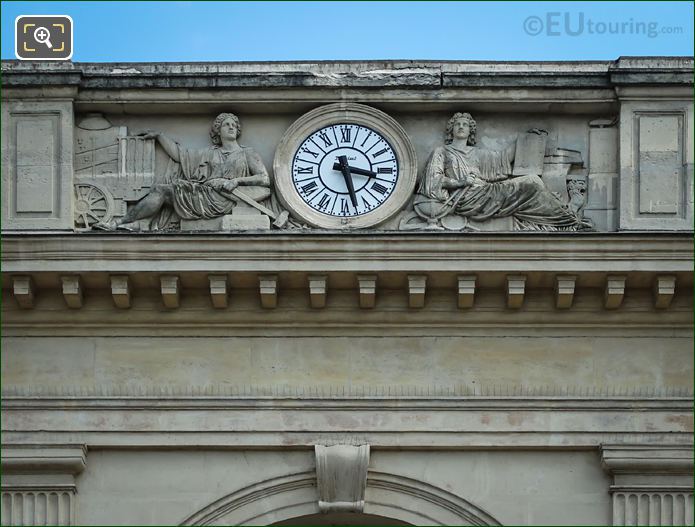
(410, 293)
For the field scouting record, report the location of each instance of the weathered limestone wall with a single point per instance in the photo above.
(526, 488)
(545, 362)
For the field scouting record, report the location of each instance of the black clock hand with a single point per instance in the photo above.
(355, 170)
(345, 169)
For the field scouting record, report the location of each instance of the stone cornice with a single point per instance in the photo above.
(357, 74)
(27, 253)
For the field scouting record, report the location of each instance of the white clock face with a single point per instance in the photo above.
(345, 170)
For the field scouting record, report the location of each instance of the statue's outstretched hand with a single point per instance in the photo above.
(148, 134)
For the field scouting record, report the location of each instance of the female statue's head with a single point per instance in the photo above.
(217, 126)
(452, 123)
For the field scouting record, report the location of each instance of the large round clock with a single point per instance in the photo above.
(345, 165)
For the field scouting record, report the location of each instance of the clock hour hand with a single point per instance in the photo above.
(345, 169)
(355, 170)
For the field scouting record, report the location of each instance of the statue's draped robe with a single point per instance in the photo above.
(490, 194)
(194, 198)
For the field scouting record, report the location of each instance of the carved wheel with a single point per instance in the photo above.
(93, 204)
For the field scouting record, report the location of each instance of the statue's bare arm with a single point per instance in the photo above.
(259, 175)
(168, 144)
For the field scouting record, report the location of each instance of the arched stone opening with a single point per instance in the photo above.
(341, 518)
(293, 499)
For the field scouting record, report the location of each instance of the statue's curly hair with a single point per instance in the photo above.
(217, 124)
(450, 127)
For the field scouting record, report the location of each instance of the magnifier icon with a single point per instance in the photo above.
(41, 34)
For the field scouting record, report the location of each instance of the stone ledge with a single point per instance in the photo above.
(43, 458)
(646, 459)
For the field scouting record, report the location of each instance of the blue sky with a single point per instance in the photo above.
(318, 30)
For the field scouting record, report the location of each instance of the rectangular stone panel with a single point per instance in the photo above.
(603, 149)
(660, 163)
(35, 164)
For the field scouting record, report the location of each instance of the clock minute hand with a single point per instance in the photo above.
(345, 169)
(355, 170)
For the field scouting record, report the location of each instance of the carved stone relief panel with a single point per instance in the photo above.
(527, 182)
(224, 187)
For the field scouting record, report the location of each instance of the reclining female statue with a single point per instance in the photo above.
(207, 177)
(463, 179)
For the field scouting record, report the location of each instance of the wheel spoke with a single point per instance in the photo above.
(93, 215)
(90, 192)
(85, 220)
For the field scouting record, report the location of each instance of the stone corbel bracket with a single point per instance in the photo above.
(341, 474)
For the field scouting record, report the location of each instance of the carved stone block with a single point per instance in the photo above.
(367, 287)
(317, 290)
(564, 291)
(615, 290)
(214, 225)
(72, 291)
(664, 289)
(268, 288)
(466, 291)
(218, 290)
(245, 218)
(171, 291)
(417, 287)
(121, 291)
(516, 289)
(23, 291)
(341, 474)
